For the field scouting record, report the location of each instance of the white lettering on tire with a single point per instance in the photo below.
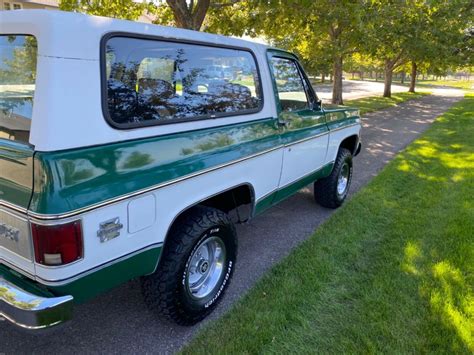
(227, 275)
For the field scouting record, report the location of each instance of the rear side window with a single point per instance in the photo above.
(153, 81)
(17, 85)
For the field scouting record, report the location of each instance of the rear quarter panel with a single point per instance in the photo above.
(159, 176)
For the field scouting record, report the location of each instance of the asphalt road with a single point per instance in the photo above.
(355, 89)
(118, 322)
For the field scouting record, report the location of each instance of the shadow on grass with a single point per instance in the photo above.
(374, 103)
(421, 209)
(441, 256)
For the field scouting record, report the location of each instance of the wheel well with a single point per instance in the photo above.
(237, 202)
(350, 143)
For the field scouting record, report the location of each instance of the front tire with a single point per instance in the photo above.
(195, 268)
(332, 191)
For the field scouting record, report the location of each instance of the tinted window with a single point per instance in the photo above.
(290, 87)
(151, 81)
(17, 85)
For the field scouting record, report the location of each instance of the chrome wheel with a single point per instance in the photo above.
(343, 179)
(205, 267)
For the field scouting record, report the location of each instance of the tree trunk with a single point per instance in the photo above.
(189, 16)
(361, 75)
(330, 78)
(337, 84)
(402, 78)
(388, 72)
(412, 77)
(323, 77)
(376, 76)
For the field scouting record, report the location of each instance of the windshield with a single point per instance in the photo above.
(17, 85)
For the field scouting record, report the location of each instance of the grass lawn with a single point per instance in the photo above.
(392, 271)
(460, 84)
(374, 103)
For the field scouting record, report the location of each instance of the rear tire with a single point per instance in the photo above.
(196, 266)
(332, 191)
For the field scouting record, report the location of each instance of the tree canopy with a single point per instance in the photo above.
(122, 9)
(363, 36)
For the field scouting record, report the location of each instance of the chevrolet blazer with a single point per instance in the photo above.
(130, 150)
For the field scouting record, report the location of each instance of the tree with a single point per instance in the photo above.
(19, 63)
(436, 42)
(335, 30)
(122, 9)
(189, 14)
(390, 23)
(417, 31)
(318, 30)
(361, 63)
(448, 38)
(342, 22)
(413, 73)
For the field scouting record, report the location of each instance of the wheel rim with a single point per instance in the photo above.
(205, 267)
(343, 180)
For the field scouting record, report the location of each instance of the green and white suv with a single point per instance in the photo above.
(130, 150)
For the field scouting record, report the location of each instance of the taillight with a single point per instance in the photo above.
(57, 244)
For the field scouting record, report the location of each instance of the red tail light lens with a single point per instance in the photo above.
(57, 244)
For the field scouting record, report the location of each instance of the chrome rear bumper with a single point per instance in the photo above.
(30, 311)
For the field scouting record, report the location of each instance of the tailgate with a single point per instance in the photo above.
(16, 184)
(16, 173)
(18, 55)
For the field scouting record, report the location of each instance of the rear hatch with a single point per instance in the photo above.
(18, 55)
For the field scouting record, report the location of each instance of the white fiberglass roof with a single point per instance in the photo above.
(74, 35)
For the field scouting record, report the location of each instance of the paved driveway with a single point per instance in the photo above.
(118, 321)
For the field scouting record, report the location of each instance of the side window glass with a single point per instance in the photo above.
(290, 86)
(152, 81)
(17, 85)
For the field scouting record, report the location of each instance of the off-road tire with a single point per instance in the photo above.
(165, 290)
(325, 190)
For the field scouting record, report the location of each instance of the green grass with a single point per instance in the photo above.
(392, 271)
(374, 103)
(460, 84)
